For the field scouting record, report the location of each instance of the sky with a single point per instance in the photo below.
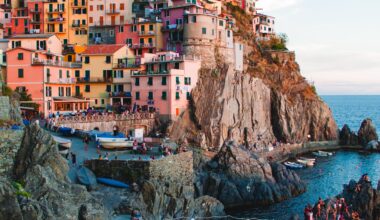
(337, 42)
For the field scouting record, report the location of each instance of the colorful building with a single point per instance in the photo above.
(5, 19)
(263, 26)
(20, 21)
(36, 16)
(166, 83)
(44, 42)
(56, 19)
(78, 24)
(95, 79)
(46, 77)
(149, 36)
(103, 16)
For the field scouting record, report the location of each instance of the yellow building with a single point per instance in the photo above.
(71, 53)
(95, 79)
(78, 26)
(56, 19)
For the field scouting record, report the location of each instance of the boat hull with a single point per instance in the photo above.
(62, 142)
(112, 182)
(86, 176)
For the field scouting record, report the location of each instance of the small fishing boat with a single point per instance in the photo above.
(66, 131)
(308, 163)
(86, 176)
(62, 150)
(322, 154)
(293, 165)
(112, 182)
(63, 142)
(308, 159)
(115, 143)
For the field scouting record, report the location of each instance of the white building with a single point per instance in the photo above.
(239, 56)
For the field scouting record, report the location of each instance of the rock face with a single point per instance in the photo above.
(43, 171)
(367, 132)
(347, 137)
(237, 177)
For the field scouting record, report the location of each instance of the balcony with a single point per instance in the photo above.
(61, 81)
(172, 27)
(63, 31)
(126, 65)
(35, 21)
(112, 12)
(40, 62)
(78, 25)
(55, 20)
(78, 4)
(135, 46)
(120, 94)
(150, 73)
(35, 10)
(146, 33)
(55, 11)
(94, 80)
(164, 59)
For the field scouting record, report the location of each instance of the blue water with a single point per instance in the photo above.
(352, 110)
(326, 179)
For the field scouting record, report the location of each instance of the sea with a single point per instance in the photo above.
(327, 177)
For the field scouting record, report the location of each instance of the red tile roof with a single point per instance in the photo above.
(102, 49)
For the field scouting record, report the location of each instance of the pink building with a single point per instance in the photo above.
(166, 83)
(263, 26)
(48, 79)
(20, 21)
(43, 42)
(127, 34)
(36, 17)
(5, 19)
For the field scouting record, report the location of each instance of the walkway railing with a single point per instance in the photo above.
(105, 118)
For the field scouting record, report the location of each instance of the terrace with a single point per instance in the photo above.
(40, 62)
(94, 80)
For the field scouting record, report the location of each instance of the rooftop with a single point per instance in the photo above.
(31, 36)
(102, 49)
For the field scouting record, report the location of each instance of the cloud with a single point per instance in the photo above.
(273, 5)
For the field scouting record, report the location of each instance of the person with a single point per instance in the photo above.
(115, 131)
(86, 141)
(74, 158)
(115, 157)
(106, 156)
(135, 146)
(100, 157)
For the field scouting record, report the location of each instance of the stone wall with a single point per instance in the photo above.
(10, 141)
(177, 168)
(4, 108)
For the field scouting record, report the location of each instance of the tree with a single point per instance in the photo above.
(25, 96)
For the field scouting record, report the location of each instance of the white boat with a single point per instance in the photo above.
(115, 143)
(308, 159)
(322, 153)
(63, 142)
(293, 165)
(306, 162)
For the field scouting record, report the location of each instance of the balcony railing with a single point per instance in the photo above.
(146, 33)
(126, 65)
(55, 11)
(143, 45)
(61, 81)
(120, 94)
(35, 10)
(55, 20)
(35, 21)
(94, 80)
(163, 59)
(144, 73)
(78, 4)
(37, 61)
(78, 25)
(113, 11)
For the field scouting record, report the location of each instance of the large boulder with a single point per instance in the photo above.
(367, 132)
(347, 137)
(238, 177)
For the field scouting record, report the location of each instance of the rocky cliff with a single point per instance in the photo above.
(269, 100)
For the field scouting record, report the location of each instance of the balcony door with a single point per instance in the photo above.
(113, 20)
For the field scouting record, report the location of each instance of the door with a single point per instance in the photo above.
(101, 20)
(113, 19)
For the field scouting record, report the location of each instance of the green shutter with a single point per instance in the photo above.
(177, 80)
(177, 95)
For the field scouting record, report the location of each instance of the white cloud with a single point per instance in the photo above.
(273, 5)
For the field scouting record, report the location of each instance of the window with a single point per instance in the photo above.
(77, 90)
(150, 95)
(68, 91)
(121, 28)
(228, 34)
(48, 91)
(90, 20)
(67, 74)
(176, 66)
(194, 19)
(137, 81)
(102, 101)
(164, 95)
(204, 31)
(96, 101)
(86, 59)
(16, 22)
(121, 6)
(150, 81)
(177, 95)
(221, 23)
(177, 80)
(112, 33)
(187, 80)
(60, 74)
(108, 88)
(151, 27)
(20, 73)
(137, 95)
(167, 13)
(212, 32)
(163, 81)
(188, 96)
(108, 59)
(77, 73)
(87, 88)
(91, 8)
(20, 56)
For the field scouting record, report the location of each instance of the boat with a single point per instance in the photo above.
(308, 163)
(112, 182)
(62, 150)
(322, 154)
(115, 143)
(86, 176)
(63, 142)
(293, 165)
(66, 131)
(308, 159)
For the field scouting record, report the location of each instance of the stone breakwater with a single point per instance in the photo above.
(9, 143)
